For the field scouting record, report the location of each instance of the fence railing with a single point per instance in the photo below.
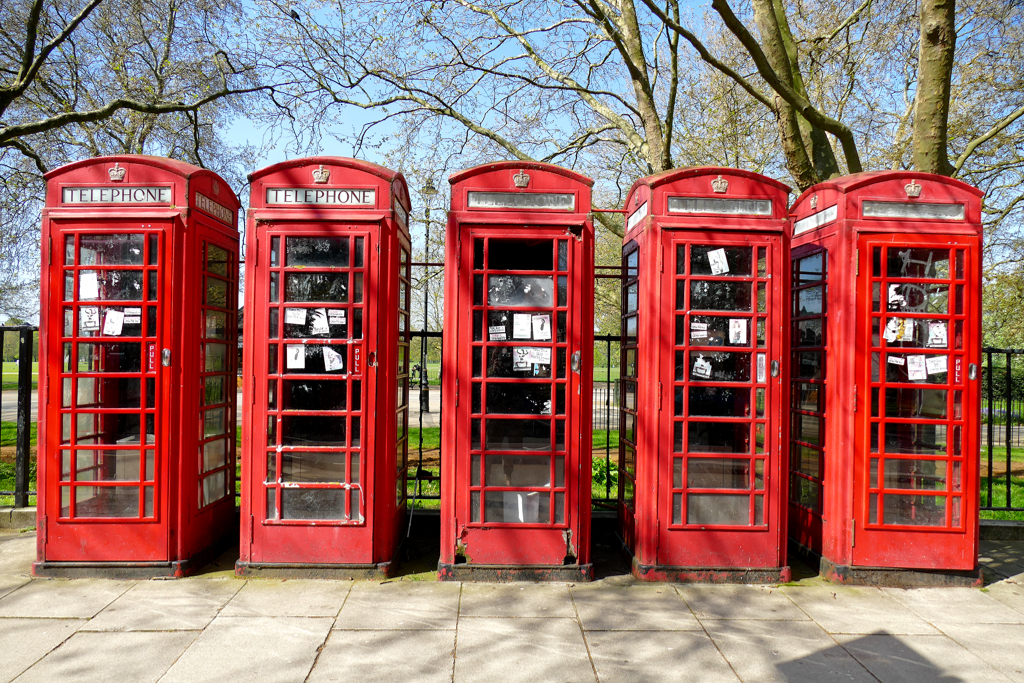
(1002, 430)
(25, 334)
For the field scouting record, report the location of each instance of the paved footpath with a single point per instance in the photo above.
(215, 627)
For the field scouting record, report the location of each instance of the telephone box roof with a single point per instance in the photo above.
(519, 165)
(675, 174)
(857, 181)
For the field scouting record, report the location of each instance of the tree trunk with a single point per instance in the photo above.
(934, 71)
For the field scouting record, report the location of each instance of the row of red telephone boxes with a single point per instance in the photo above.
(804, 372)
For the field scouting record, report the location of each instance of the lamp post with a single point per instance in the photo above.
(428, 193)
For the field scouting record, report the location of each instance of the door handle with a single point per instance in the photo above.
(574, 362)
(775, 368)
(972, 371)
(371, 359)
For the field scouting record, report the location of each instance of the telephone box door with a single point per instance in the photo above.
(107, 403)
(917, 407)
(719, 457)
(517, 471)
(316, 336)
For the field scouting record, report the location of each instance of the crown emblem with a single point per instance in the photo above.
(814, 201)
(116, 172)
(321, 175)
(913, 188)
(720, 185)
(216, 187)
(521, 179)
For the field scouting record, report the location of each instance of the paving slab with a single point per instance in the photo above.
(26, 641)
(1003, 558)
(288, 598)
(529, 649)
(955, 605)
(11, 583)
(17, 551)
(111, 658)
(62, 598)
(403, 605)
(856, 609)
(784, 652)
(657, 656)
(265, 649)
(919, 659)
(1009, 593)
(603, 607)
(1001, 646)
(181, 605)
(739, 602)
(386, 656)
(516, 600)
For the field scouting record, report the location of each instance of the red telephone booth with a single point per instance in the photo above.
(518, 378)
(701, 467)
(137, 368)
(326, 375)
(884, 446)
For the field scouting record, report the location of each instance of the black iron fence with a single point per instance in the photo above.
(1002, 429)
(25, 335)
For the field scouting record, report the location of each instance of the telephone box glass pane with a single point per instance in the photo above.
(721, 261)
(316, 252)
(718, 473)
(111, 250)
(517, 507)
(719, 295)
(520, 254)
(313, 467)
(714, 508)
(914, 510)
(325, 287)
(518, 399)
(518, 435)
(106, 501)
(306, 503)
(526, 472)
(518, 290)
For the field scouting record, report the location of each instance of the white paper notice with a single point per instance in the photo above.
(698, 326)
(496, 333)
(89, 318)
(320, 325)
(296, 355)
(521, 325)
(113, 321)
(88, 286)
(534, 354)
(897, 360)
(336, 317)
(895, 297)
(916, 368)
(541, 327)
(761, 375)
(898, 329)
(132, 316)
(701, 368)
(698, 334)
(719, 264)
(935, 365)
(738, 331)
(937, 335)
(295, 316)
(333, 360)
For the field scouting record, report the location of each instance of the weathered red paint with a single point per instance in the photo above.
(695, 505)
(129, 277)
(326, 449)
(919, 508)
(529, 539)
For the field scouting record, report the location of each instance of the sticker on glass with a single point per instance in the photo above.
(897, 360)
(89, 318)
(336, 317)
(738, 331)
(701, 368)
(898, 329)
(698, 334)
(320, 325)
(295, 316)
(935, 365)
(541, 327)
(937, 335)
(296, 356)
(132, 316)
(698, 326)
(88, 286)
(496, 333)
(718, 262)
(333, 360)
(761, 375)
(521, 325)
(113, 321)
(916, 368)
(895, 298)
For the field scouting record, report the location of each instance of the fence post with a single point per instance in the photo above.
(1009, 427)
(24, 420)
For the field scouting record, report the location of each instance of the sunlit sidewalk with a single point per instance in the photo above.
(215, 627)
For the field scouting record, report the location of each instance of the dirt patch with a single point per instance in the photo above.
(10, 453)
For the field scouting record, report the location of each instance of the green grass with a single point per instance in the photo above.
(999, 455)
(9, 434)
(431, 438)
(9, 375)
(999, 497)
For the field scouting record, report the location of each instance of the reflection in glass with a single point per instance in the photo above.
(914, 510)
(915, 474)
(719, 437)
(916, 403)
(107, 501)
(110, 250)
(313, 467)
(303, 503)
(316, 252)
(918, 263)
(518, 290)
(519, 471)
(718, 473)
(516, 507)
(924, 439)
(326, 287)
(716, 295)
(518, 435)
(809, 269)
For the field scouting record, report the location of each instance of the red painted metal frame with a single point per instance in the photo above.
(366, 537)
(662, 549)
(180, 530)
(849, 542)
(481, 549)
